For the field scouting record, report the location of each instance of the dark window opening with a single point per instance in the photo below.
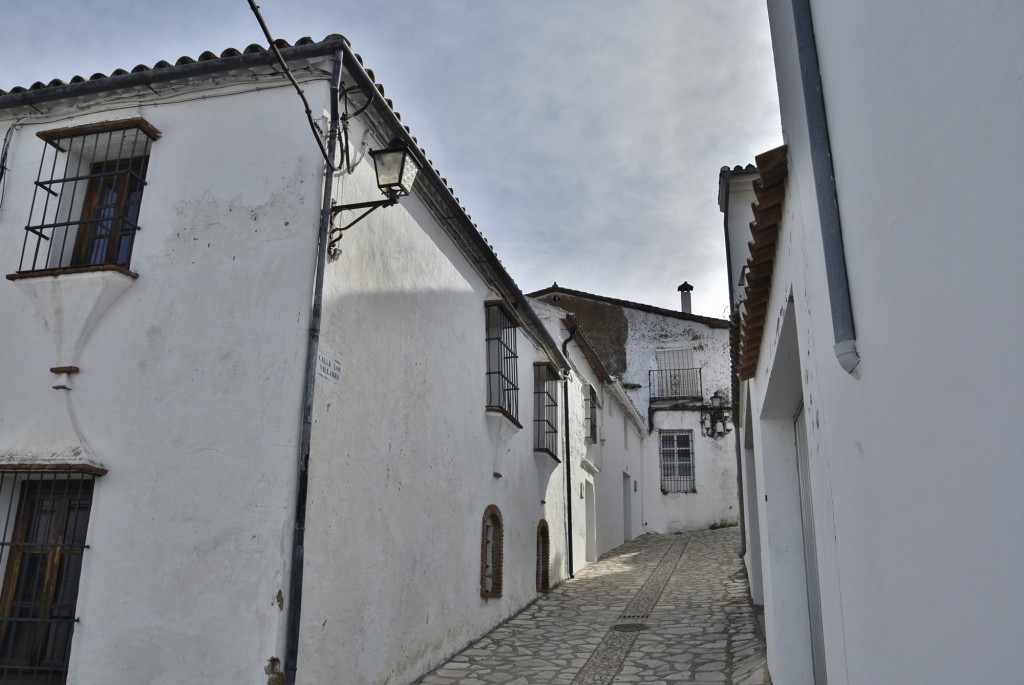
(492, 550)
(592, 406)
(677, 473)
(543, 557)
(545, 409)
(88, 192)
(42, 550)
(502, 380)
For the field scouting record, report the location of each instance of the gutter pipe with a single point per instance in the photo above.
(305, 440)
(825, 189)
(725, 177)
(573, 328)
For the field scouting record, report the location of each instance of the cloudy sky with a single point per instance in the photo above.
(584, 137)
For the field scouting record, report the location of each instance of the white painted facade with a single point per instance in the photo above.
(715, 499)
(610, 469)
(189, 391)
(911, 462)
(641, 332)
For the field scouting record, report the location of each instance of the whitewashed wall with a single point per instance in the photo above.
(914, 463)
(622, 470)
(715, 501)
(604, 464)
(736, 194)
(189, 390)
(405, 458)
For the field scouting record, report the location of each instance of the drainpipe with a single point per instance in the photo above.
(305, 439)
(825, 189)
(573, 327)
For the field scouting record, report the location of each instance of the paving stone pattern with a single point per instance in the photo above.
(688, 591)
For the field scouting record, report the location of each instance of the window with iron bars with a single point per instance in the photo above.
(545, 409)
(677, 472)
(677, 375)
(88, 191)
(592, 406)
(47, 515)
(502, 381)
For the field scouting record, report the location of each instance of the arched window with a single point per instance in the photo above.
(543, 557)
(491, 553)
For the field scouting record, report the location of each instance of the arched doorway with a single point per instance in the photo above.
(492, 552)
(543, 557)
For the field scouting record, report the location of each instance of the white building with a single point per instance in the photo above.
(672, 364)
(606, 445)
(228, 457)
(880, 375)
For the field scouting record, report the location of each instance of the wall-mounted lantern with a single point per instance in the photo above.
(396, 170)
(715, 417)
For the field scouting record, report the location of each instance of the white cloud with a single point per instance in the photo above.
(583, 136)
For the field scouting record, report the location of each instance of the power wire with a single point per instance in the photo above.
(3, 160)
(317, 132)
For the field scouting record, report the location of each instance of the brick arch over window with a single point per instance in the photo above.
(543, 557)
(492, 553)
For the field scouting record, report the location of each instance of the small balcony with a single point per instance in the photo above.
(676, 384)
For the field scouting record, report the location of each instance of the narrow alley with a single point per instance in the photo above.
(659, 609)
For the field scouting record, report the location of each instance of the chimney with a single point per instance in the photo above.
(684, 296)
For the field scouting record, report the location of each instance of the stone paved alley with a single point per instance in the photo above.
(659, 609)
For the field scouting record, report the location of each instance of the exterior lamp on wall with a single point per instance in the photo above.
(715, 419)
(396, 170)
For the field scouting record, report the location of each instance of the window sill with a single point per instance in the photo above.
(91, 268)
(545, 450)
(492, 411)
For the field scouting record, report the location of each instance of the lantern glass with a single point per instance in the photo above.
(716, 401)
(396, 169)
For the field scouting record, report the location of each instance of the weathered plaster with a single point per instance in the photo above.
(189, 381)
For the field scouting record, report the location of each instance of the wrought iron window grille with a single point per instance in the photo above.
(545, 409)
(677, 467)
(88, 193)
(592, 406)
(502, 362)
(672, 384)
(46, 516)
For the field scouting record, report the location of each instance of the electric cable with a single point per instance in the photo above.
(317, 132)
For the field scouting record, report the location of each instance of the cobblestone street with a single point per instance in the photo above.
(659, 609)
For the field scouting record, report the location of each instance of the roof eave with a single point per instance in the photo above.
(473, 244)
(177, 72)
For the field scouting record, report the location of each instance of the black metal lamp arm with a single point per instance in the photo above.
(336, 233)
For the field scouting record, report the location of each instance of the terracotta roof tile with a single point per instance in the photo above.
(769, 189)
(557, 289)
(229, 53)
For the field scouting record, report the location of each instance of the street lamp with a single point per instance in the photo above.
(396, 170)
(715, 420)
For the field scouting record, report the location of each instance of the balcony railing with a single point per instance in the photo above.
(676, 384)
